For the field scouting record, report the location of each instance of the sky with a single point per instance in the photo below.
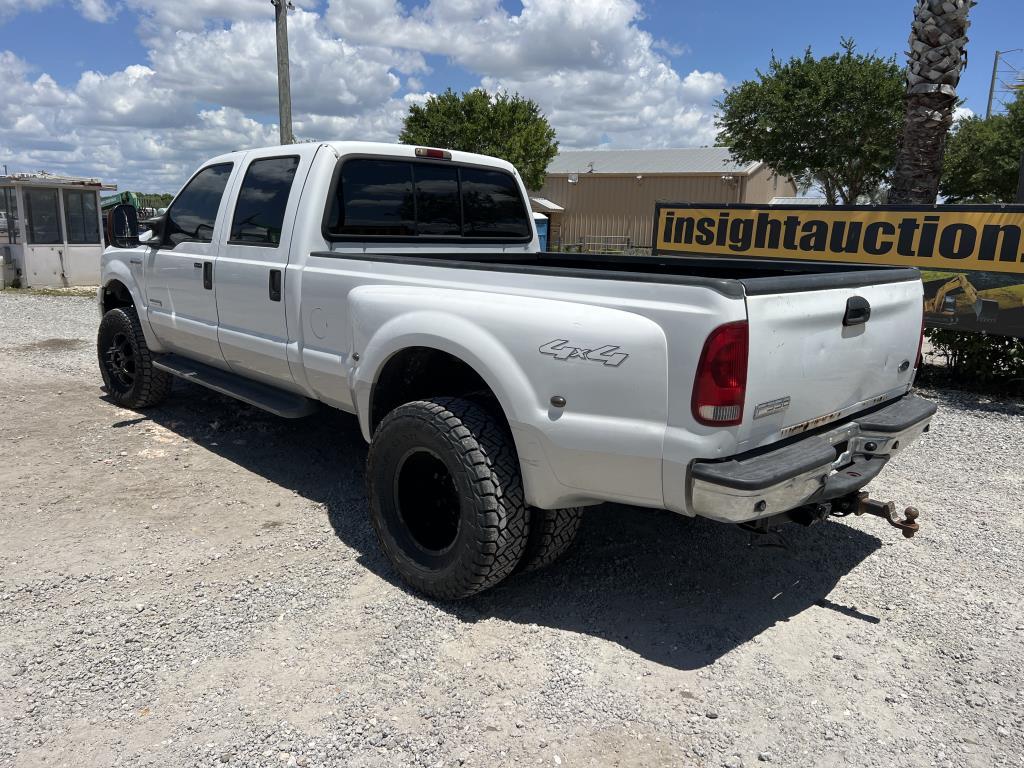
(140, 92)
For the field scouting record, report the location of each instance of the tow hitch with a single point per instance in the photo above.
(862, 504)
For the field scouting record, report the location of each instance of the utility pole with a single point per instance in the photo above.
(995, 78)
(284, 84)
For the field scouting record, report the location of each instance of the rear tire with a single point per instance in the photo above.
(126, 362)
(446, 497)
(552, 532)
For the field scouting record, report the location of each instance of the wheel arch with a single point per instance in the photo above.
(115, 294)
(480, 359)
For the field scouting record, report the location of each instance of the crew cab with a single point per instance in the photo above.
(503, 389)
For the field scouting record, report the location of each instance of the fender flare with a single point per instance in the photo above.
(117, 270)
(456, 336)
(481, 351)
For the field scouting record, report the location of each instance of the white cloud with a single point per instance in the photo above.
(237, 66)
(9, 8)
(962, 113)
(95, 10)
(209, 84)
(588, 63)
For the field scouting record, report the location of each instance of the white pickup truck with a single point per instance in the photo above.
(502, 389)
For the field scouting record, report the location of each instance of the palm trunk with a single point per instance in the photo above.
(937, 57)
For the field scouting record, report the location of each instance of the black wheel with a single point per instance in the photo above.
(446, 497)
(552, 532)
(126, 362)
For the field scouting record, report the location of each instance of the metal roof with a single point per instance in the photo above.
(53, 179)
(683, 160)
(547, 205)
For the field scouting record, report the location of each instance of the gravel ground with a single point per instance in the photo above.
(199, 585)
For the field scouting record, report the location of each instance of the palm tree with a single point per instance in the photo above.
(937, 56)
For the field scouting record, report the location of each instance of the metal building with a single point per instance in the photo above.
(604, 199)
(51, 230)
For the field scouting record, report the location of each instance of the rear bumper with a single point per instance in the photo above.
(814, 469)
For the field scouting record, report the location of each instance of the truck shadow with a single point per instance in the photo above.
(677, 591)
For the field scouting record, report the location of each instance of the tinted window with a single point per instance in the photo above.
(492, 205)
(437, 200)
(42, 217)
(194, 212)
(80, 216)
(376, 199)
(259, 212)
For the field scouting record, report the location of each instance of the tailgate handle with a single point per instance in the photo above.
(858, 311)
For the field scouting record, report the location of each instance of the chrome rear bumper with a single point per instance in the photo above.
(816, 468)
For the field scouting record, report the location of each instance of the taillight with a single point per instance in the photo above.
(721, 382)
(920, 346)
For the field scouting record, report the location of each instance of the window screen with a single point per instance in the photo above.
(492, 205)
(80, 217)
(8, 215)
(42, 216)
(193, 213)
(437, 200)
(375, 199)
(259, 212)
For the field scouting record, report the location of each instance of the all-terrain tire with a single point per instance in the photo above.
(126, 362)
(446, 497)
(552, 532)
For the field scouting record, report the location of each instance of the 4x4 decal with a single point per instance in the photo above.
(560, 349)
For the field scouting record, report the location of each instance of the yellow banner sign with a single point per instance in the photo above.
(981, 238)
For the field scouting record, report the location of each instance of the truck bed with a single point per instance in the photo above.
(731, 277)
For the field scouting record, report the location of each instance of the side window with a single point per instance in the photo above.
(259, 211)
(375, 198)
(193, 213)
(437, 200)
(80, 217)
(492, 205)
(42, 217)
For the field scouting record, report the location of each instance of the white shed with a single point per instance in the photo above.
(51, 230)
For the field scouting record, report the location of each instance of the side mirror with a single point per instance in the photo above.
(123, 227)
(154, 237)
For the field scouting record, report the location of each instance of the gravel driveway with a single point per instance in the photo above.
(199, 585)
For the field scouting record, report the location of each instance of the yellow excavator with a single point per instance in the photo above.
(941, 308)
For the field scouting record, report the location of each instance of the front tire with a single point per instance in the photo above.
(446, 497)
(126, 363)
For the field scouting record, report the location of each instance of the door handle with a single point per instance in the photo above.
(275, 285)
(208, 275)
(858, 311)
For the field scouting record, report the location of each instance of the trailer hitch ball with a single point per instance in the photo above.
(887, 511)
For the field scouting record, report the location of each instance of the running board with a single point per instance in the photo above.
(277, 401)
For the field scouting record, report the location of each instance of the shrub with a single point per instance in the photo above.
(979, 360)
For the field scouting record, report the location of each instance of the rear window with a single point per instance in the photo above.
(491, 205)
(408, 200)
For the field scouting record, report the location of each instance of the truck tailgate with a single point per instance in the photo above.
(807, 368)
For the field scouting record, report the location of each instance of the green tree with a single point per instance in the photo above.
(983, 158)
(937, 57)
(832, 122)
(502, 125)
